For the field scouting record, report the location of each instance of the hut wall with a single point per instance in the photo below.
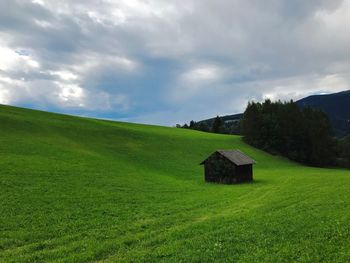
(245, 173)
(219, 169)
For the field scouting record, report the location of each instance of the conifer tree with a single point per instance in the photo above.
(217, 126)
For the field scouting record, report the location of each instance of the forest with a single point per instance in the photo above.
(301, 134)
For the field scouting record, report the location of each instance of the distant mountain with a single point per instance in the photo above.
(230, 123)
(226, 119)
(335, 105)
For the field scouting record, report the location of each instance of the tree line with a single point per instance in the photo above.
(217, 125)
(343, 152)
(304, 135)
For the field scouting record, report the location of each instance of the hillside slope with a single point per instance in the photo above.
(226, 118)
(77, 190)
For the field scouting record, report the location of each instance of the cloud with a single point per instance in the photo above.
(165, 62)
(202, 73)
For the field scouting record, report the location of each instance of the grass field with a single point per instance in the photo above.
(84, 190)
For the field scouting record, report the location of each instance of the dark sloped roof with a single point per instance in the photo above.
(235, 156)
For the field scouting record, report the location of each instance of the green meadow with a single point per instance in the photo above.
(84, 190)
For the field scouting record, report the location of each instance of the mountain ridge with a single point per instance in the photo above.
(335, 105)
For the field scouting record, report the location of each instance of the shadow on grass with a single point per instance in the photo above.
(254, 182)
(258, 181)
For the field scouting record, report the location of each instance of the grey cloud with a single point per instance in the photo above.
(150, 58)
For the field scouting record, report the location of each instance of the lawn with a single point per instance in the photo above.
(83, 190)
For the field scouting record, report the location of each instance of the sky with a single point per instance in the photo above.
(167, 62)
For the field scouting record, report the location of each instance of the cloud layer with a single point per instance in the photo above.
(165, 62)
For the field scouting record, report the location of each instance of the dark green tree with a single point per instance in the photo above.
(251, 123)
(343, 148)
(321, 150)
(192, 125)
(217, 126)
(283, 128)
(202, 126)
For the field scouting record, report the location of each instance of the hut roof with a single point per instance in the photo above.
(235, 156)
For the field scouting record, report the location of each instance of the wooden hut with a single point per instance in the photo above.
(228, 167)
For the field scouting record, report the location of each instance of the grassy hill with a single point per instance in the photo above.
(77, 190)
